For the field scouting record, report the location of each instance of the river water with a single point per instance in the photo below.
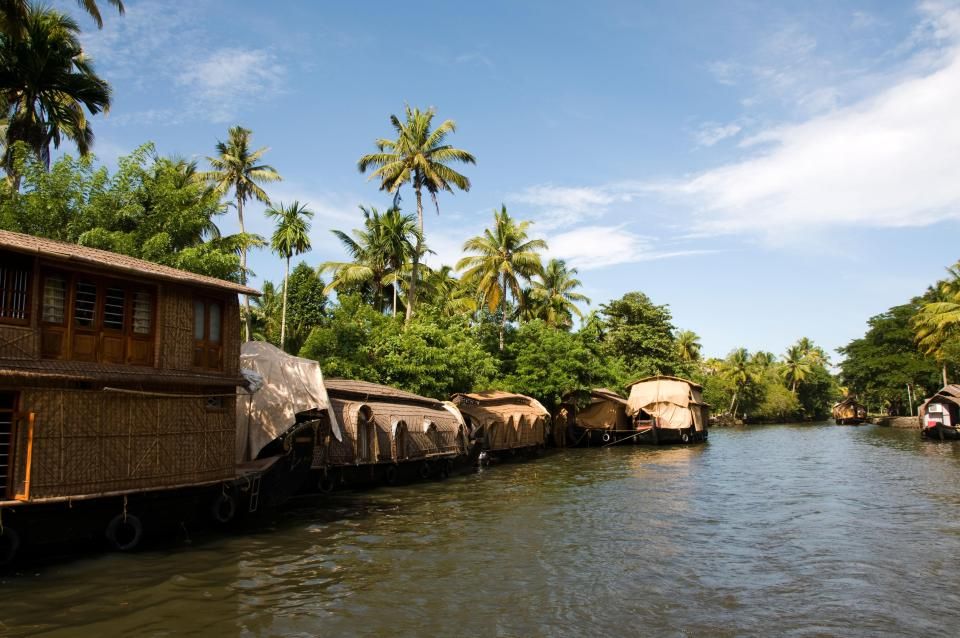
(787, 530)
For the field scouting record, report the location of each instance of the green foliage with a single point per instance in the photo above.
(878, 366)
(153, 208)
(641, 334)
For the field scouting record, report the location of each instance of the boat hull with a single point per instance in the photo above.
(940, 432)
(578, 436)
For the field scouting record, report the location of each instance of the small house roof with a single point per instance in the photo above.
(104, 259)
(111, 373)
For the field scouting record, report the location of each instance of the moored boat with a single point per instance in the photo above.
(667, 409)
(849, 412)
(503, 422)
(940, 415)
(594, 417)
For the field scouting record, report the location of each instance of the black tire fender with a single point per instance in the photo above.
(128, 524)
(606, 438)
(425, 470)
(224, 508)
(390, 475)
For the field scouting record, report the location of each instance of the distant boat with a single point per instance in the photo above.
(504, 423)
(594, 417)
(673, 408)
(940, 415)
(849, 412)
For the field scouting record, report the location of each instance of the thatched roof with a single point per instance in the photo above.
(851, 400)
(664, 377)
(102, 259)
(595, 395)
(497, 402)
(366, 391)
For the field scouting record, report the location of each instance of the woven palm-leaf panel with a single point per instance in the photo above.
(231, 337)
(176, 328)
(89, 442)
(18, 342)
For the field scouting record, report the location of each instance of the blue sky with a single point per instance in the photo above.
(770, 171)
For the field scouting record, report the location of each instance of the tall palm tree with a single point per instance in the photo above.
(553, 291)
(399, 239)
(291, 237)
(237, 167)
(48, 84)
(448, 293)
(13, 14)
(688, 346)
(504, 256)
(762, 360)
(797, 364)
(421, 157)
(814, 353)
(937, 323)
(369, 265)
(737, 368)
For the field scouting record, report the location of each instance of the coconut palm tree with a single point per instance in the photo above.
(553, 292)
(370, 263)
(814, 353)
(937, 324)
(737, 368)
(237, 167)
(48, 85)
(421, 157)
(504, 257)
(13, 14)
(399, 239)
(762, 360)
(688, 346)
(797, 365)
(291, 237)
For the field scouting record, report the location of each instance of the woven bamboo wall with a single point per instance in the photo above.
(18, 342)
(176, 329)
(89, 442)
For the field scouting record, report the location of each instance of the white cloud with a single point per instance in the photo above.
(710, 133)
(592, 247)
(228, 77)
(887, 161)
(563, 205)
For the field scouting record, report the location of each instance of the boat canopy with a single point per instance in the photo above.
(287, 386)
(676, 403)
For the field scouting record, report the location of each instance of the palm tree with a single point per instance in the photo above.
(369, 265)
(814, 353)
(688, 346)
(797, 365)
(291, 237)
(504, 257)
(399, 239)
(937, 323)
(762, 360)
(237, 167)
(47, 84)
(553, 290)
(14, 13)
(418, 156)
(448, 293)
(737, 368)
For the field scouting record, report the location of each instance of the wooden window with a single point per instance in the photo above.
(14, 290)
(207, 334)
(85, 318)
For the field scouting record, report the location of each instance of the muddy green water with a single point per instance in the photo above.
(776, 530)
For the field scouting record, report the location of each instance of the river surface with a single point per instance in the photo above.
(774, 530)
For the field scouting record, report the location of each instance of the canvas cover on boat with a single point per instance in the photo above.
(290, 385)
(508, 420)
(849, 408)
(606, 411)
(676, 403)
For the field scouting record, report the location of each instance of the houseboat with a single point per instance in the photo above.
(118, 390)
(667, 409)
(504, 423)
(390, 436)
(940, 415)
(595, 417)
(849, 412)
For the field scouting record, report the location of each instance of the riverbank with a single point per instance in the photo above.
(905, 422)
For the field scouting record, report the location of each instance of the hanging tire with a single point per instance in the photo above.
(325, 485)
(124, 532)
(9, 546)
(685, 437)
(224, 508)
(606, 438)
(391, 475)
(425, 470)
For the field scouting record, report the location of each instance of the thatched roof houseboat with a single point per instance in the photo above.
(118, 378)
(390, 435)
(504, 421)
(668, 409)
(940, 414)
(594, 417)
(849, 412)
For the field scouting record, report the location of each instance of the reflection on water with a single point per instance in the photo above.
(803, 530)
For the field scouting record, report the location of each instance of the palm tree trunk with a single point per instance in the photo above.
(412, 290)
(503, 311)
(283, 313)
(733, 401)
(394, 299)
(945, 374)
(243, 273)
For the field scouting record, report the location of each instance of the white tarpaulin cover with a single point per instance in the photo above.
(666, 399)
(290, 385)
